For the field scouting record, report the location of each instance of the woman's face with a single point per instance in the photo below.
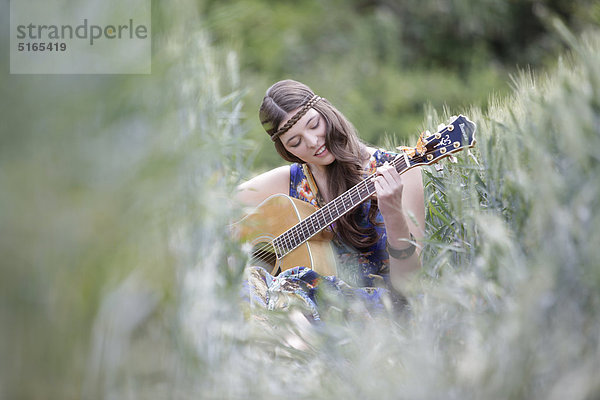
(306, 139)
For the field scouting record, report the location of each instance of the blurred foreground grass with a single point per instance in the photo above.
(118, 280)
(113, 188)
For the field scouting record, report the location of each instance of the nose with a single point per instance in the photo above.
(313, 140)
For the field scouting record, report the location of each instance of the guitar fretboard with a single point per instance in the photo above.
(331, 212)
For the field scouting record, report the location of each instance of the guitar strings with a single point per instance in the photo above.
(265, 254)
(268, 252)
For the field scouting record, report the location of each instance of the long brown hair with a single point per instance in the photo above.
(341, 140)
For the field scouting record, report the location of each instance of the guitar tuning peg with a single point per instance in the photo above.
(452, 159)
(439, 167)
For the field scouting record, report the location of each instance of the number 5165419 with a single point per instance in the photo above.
(49, 46)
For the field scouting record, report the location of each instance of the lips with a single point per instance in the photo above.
(321, 150)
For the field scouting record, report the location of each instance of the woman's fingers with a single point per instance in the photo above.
(388, 178)
(388, 186)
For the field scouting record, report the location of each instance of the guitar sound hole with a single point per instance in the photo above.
(263, 255)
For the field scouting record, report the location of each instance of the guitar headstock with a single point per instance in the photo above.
(457, 135)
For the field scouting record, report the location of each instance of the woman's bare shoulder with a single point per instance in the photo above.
(371, 150)
(254, 191)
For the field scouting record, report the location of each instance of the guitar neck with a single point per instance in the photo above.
(331, 212)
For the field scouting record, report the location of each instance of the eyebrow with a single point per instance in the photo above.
(305, 125)
(310, 119)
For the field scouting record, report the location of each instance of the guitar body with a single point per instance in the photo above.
(271, 218)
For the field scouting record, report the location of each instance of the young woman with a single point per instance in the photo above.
(375, 242)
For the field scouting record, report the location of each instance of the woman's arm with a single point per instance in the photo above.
(253, 192)
(402, 206)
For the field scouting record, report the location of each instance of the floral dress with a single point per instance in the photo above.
(362, 275)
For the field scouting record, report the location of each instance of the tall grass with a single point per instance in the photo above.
(517, 278)
(114, 194)
(119, 279)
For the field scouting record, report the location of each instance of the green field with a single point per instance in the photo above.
(118, 276)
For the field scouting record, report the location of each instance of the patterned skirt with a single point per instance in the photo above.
(317, 295)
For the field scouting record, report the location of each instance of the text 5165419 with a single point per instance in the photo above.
(43, 46)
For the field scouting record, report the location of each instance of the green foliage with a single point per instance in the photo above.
(119, 280)
(380, 61)
(522, 230)
(113, 189)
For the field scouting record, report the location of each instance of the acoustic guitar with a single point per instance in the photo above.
(284, 232)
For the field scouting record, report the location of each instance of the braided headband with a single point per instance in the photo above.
(314, 100)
